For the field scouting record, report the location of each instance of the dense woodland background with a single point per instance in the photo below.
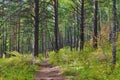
(40, 26)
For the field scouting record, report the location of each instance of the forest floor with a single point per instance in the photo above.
(49, 72)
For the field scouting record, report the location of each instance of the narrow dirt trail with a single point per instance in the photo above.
(48, 72)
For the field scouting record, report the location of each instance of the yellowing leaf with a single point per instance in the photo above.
(1, 78)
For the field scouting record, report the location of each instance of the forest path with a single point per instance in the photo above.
(48, 72)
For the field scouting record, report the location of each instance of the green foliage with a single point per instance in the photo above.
(18, 68)
(83, 65)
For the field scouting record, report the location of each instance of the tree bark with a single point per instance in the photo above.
(36, 27)
(78, 31)
(19, 16)
(95, 24)
(114, 33)
(82, 26)
(56, 24)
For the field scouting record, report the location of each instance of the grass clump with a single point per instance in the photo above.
(89, 64)
(19, 67)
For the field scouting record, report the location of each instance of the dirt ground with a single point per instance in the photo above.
(49, 72)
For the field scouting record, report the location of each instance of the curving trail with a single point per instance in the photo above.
(49, 72)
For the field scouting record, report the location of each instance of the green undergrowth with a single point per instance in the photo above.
(19, 67)
(89, 64)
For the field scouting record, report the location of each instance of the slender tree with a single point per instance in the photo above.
(56, 24)
(71, 41)
(82, 26)
(36, 26)
(19, 14)
(95, 24)
(77, 25)
(114, 33)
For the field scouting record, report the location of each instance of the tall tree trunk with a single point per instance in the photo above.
(77, 25)
(109, 25)
(82, 26)
(114, 33)
(95, 24)
(100, 21)
(18, 45)
(74, 31)
(70, 38)
(109, 13)
(56, 24)
(19, 15)
(36, 27)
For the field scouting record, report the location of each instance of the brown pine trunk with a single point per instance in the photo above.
(95, 24)
(71, 41)
(78, 31)
(114, 33)
(56, 24)
(36, 27)
(19, 14)
(82, 26)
